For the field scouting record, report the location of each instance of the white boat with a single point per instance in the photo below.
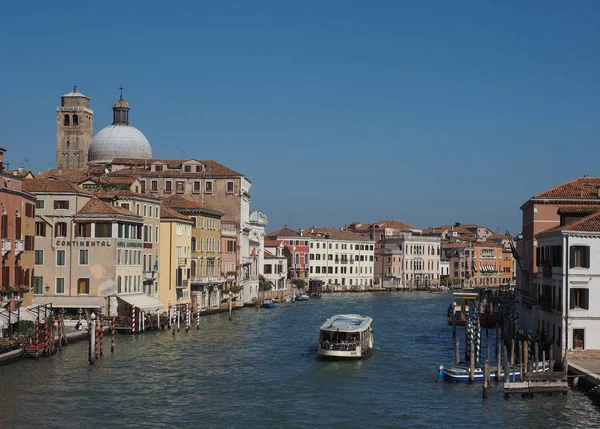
(346, 336)
(303, 297)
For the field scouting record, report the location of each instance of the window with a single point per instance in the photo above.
(156, 213)
(154, 186)
(103, 230)
(180, 187)
(83, 230)
(158, 168)
(578, 339)
(60, 285)
(157, 235)
(61, 205)
(187, 168)
(208, 187)
(60, 229)
(75, 120)
(143, 183)
(580, 257)
(29, 210)
(66, 121)
(193, 244)
(119, 284)
(39, 257)
(40, 229)
(168, 187)
(198, 169)
(83, 257)
(83, 286)
(146, 210)
(579, 299)
(38, 285)
(39, 204)
(230, 186)
(60, 258)
(196, 187)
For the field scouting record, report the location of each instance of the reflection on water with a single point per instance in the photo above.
(260, 370)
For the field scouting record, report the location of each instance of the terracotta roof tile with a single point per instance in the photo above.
(589, 223)
(283, 232)
(269, 255)
(382, 224)
(51, 186)
(98, 207)
(336, 234)
(272, 243)
(178, 202)
(167, 213)
(581, 188)
(141, 167)
(578, 209)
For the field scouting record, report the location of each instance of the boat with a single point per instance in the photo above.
(303, 297)
(436, 290)
(268, 303)
(460, 373)
(346, 336)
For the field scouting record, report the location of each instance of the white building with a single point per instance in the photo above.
(342, 259)
(275, 266)
(444, 267)
(252, 249)
(568, 286)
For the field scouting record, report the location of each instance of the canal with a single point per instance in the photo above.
(260, 371)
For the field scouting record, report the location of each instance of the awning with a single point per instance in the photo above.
(23, 315)
(70, 301)
(142, 301)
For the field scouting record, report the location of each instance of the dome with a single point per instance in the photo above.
(119, 141)
(121, 103)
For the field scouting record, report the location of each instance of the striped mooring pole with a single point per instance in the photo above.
(101, 337)
(37, 337)
(198, 314)
(187, 318)
(97, 339)
(133, 319)
(59, 333)
(169, 315)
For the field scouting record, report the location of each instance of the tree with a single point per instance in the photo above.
(288, 254)
(264, 285)
(299, 283)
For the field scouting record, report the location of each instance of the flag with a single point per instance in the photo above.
(156, 263)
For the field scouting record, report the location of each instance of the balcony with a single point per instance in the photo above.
(182, 262)
(6, 246)
(344, 261)
(246, 260)
(208, 280)
(149, 275)
(183, 284)
(19, 246)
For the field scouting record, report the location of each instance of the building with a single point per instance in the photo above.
(543, 211)
(74, 127)
(379, 231)
(567, 316)
(174, 257)
(444, 267)
(475, 264)
(88, 254)
(206, 271)
(409, 260)
(298, 245)
(252, 256)
(342, 259)
(230, 255)
(275, 265)
(17, 230)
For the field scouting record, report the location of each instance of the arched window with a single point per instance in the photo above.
(193, 244)
(66, 121)
(297, 259)
(75, 120)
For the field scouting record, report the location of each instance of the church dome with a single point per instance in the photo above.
(119, 140)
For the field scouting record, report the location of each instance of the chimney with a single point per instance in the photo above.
(301, 231)
(20, 169)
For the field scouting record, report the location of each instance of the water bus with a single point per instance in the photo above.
(346, 336)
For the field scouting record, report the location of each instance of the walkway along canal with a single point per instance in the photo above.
(260, 370)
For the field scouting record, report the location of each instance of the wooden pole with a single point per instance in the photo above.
(536, 356)
(37, 337)
(230, 306)
(59, 333)
(512, 352)
(488, 360)
(91, 345)
(485, 379)
(520, 361)
(65, 338)
(169, 315)
(543, 360)
(101, 338)
(97, 342)
(472, 363)
(506, 365)
(551, 357)
(457, 349)
(525, 356)
(498, 359)
(112, 335)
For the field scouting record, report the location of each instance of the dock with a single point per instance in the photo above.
(542, 382)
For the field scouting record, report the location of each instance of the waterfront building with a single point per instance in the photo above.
(174, 257)
(298, 245)
(88, 254)
(17, 229)
(540, 213)
(444, 267)
(149, 209)
(379, 231)
(230, 256)
(567, 283)
(419, 260)
(206, 272)
(252, 256)
(476, 264)
(275, 265)
(342, 259)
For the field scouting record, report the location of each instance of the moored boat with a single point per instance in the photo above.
(346, 336)
(460, 373)
(268, 303)
(303, 297)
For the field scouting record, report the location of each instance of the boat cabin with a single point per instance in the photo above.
(346, 336)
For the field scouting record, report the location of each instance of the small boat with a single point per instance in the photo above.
(460, 373)
(268, 303)
(303, 297)
(346, 336)
(458, 320)
(436, 290)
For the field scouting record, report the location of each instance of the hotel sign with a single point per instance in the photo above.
(84, 243)
(129, 244)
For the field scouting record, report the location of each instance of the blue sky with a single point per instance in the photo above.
(426, 112)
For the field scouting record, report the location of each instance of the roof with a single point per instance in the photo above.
(140, 166)
(51, 186)
(272, 243)
(589, 223)
(578, 209)
(114, 194)
(499, 237)
(283, 232)
(347, 323)
(581, 188)
(335, 234)
(179, 203)
(98, 207)
(75, 93)
(269, 255)
(390, 223)
(166, 213)
(20, 173)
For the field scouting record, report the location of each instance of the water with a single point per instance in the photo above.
(260, 371)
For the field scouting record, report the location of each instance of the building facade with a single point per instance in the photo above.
(74, 127)
(298, 245)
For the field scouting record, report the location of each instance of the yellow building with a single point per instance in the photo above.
(174, 257)
(206, 270)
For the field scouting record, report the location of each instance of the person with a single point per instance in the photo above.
(78, 326)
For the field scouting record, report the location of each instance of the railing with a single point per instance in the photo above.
(19, 246)
(209, 279)
(6, 246)
(246, 259)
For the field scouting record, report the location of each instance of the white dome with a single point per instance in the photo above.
(119, 141)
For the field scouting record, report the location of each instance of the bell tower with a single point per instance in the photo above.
(74, 128)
